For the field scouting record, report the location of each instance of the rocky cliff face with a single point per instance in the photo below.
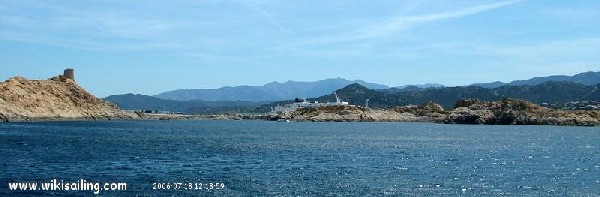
(518, 112)
(58, 98)
(353, 114)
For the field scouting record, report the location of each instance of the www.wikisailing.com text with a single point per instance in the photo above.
(61, 185)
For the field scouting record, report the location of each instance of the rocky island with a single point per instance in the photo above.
(518, 112)
(468, 111)
(427, 112)
(58, 98)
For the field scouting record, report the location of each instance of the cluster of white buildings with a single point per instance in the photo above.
(305, 104)
(574, 105)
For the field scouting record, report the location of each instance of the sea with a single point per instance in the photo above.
(262, 158)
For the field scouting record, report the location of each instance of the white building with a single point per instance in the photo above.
(305, 104)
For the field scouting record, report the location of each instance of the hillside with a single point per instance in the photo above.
(59, 98)
(586, 78)
(276, 91)
(144, 102)
(270, 92)
(556, 90)
(548, 92)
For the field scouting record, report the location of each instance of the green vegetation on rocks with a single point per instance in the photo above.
(468, 111)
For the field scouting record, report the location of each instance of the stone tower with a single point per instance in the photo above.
(69, 73)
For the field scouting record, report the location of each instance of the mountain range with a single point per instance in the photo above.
(586, 78)
(273, 91)
(144, 102)
(552, 89)
(276, 91)
(548, 92)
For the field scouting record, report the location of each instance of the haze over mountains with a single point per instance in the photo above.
(547, 92)
(586, 78)
(273, 91)
(276, 91)
(558, 88)
(144, 102)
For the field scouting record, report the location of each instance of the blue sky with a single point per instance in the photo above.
(147, 47)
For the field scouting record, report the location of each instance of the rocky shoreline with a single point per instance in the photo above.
(518, 112)
(470, 111)
(61, 99)
(424, 113)
(55, 99)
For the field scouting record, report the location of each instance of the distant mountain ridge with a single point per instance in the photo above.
(551, 89)
(356, 94)
(270, 92)
(548, 92)
(422, 86)
(276, 91)
(144, 102)
(586, 78)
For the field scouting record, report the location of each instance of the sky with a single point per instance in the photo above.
(147, 47)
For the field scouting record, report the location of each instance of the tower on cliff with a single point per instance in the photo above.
(69, 73)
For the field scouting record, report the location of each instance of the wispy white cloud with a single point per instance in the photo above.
(401, 22)
(561, 56)
(112, 29)
(534, 50)
(398, 23)
(266, 14)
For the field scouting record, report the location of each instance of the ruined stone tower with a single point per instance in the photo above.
(69, 73)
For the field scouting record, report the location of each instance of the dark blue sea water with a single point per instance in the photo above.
(259, 158)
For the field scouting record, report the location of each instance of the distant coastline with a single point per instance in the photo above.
(61, 99)
(469, 111)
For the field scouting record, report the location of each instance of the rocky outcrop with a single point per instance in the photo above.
(423, 113)
(428, 109)
(470, 111)
(58, 98)
(517, 112)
